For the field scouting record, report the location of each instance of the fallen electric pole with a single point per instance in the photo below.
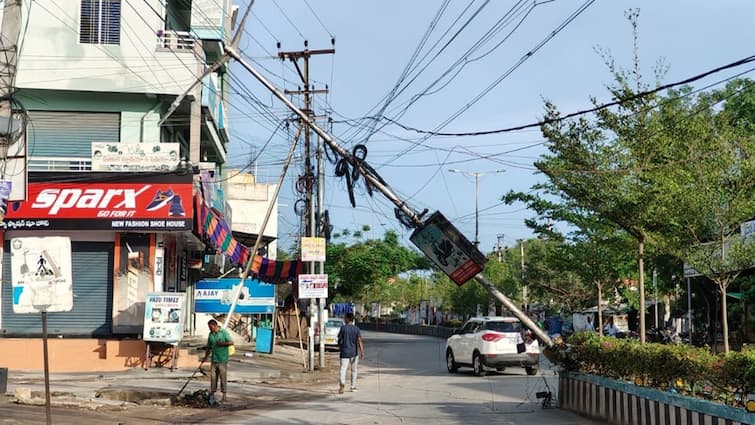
(414, 219)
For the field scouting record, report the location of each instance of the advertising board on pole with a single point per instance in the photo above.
(216, 296)
(313, 286)
(164, 317)
(312, 249)
(448, 248)
(41, 274)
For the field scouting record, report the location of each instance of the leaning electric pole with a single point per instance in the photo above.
(307, 184)
(434, 235)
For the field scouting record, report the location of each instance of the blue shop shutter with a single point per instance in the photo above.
(70, 134)
(92, 296)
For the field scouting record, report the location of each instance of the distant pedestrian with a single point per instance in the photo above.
(218, 342)
(351, 348)
(610, 328)
(589, 327)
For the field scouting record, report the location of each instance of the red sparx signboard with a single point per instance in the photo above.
(120, 206)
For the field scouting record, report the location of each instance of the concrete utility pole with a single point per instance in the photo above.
(524, 284)
(499, 247)
(310, 219)
(9, 34)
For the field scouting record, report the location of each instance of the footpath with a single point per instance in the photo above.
(160, 386)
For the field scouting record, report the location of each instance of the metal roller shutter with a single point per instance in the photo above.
(70, 134)
(92, 296)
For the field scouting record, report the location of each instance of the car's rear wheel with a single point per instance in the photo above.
(479, 369)
(451, 362)
(530, 370)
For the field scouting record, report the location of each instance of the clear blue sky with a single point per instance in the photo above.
(375, 42)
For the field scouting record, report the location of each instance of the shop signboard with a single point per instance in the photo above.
(313, 286)
(164, 317)
(216, 296)
(312, 249)
(41, 274)
(157, 203)
(135, 157)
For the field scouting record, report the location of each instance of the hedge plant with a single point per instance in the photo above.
(683, 369)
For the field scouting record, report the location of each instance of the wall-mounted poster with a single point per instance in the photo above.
(41, 274)
(132, 280)
(135, 157)
(164, 317)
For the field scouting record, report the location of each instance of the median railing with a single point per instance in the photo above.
(429, 330)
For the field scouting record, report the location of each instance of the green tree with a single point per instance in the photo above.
(710, 191)
(606, 167)
(360, 271)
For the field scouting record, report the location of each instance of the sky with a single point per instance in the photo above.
(454, 66)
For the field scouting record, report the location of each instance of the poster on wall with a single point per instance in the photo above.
(164, 317)
(135, 157)
(132, 281)
(41, 274)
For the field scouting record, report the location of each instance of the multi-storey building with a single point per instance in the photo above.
(109, 167)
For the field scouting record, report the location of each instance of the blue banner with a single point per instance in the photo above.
(216, 295)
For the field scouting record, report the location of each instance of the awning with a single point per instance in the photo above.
(249, 239)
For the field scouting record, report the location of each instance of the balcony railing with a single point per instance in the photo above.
(56, 163)
(175, 40)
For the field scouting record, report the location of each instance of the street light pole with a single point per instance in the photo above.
(476, 175)
(477, 210)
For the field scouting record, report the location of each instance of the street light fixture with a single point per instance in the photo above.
(476, 175)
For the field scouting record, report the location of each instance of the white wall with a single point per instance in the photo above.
(249, 202)
(53, 58)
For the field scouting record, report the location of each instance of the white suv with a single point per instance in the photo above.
(492, 342)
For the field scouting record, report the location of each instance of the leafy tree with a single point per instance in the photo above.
(361, 270)
(606, 167)
(710, 192)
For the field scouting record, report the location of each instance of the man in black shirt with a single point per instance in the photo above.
(350, 345)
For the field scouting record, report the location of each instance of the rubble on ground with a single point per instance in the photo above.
(200, 399)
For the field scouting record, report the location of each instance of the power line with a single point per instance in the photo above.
(584, 111)
(318, 19)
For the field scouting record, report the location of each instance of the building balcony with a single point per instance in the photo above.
(177, 41)
(58, 164)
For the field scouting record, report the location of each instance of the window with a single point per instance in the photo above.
(504, 326)
(100, 22)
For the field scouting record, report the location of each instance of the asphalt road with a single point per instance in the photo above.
(402, 380)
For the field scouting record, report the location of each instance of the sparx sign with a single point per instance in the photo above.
(120, 206)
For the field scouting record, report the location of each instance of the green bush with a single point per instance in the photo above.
(679, 368)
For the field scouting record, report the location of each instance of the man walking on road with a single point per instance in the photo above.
(218, 342)
(350, 345)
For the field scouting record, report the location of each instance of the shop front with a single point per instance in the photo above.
(130, 234)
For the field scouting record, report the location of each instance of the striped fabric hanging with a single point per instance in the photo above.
(217, 231)
(273, 271)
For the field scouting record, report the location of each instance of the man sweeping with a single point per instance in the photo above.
(218, 342)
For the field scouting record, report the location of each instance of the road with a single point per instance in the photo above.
(402, 380)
